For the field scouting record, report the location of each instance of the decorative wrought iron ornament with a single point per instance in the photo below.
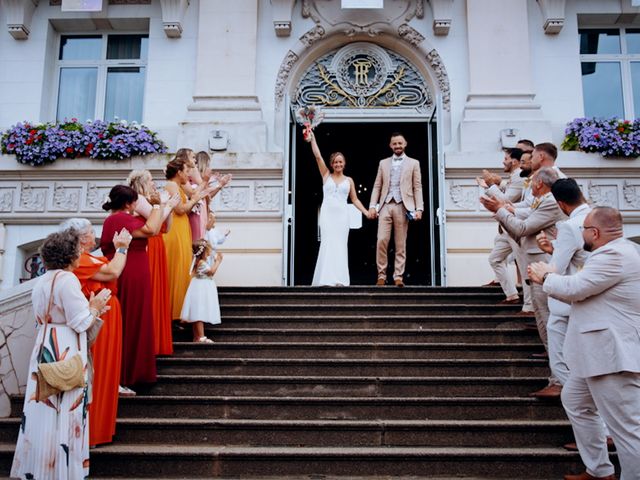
(363, 76)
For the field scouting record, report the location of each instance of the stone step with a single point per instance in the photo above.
(363, 350)
(333, 298)
(169, 461)
(333, 408)
(344, 386)
(321, 309)
(306, 433)
(358, 289)
(352, 367)
(356, 320)
(388, 335)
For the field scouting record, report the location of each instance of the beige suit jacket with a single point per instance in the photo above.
(410, 184)
(603, 334)
(543, 217)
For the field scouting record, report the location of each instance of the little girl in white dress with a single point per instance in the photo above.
(201, 301)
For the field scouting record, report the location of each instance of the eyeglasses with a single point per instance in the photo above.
(587, 227)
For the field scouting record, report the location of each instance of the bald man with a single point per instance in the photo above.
(602, 345)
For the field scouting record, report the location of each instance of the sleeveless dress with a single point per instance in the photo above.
(134, 293)
(332, 267)
(201, 302)
(53, 438)
(107, 353)
(163, 344)
(177, 242)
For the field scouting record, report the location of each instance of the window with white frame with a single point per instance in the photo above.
(101, 77)
(610, 60)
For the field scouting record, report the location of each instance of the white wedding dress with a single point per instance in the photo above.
(332, 267)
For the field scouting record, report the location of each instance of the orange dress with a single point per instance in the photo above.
(178, 245)
(160, 296)
(107, 354)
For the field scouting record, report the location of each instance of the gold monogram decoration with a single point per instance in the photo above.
(363, 76)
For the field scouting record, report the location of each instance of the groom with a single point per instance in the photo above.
(397, 193)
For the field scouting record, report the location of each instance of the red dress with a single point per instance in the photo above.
(107, 352)
(163, 344)
(134, 293)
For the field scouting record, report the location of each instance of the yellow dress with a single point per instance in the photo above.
(178, 246)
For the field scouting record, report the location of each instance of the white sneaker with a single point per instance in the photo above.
(125, 392)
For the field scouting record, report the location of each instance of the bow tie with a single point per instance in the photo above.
(398, 159)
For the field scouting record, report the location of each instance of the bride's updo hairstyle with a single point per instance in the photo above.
(174, 167)
(119, 197)
(335, 155)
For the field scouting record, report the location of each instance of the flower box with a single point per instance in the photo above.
(39, 144)
(610, 137)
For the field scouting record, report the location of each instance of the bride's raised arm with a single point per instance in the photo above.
(324, 171)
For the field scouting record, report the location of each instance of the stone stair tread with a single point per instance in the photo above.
(344, 452)
(196, 422)
(374, 331)
(358, 361)
(343, 379)
(462, 345)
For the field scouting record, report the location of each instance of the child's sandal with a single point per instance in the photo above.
(204, 340)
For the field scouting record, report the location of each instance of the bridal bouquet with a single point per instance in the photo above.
(309, 117)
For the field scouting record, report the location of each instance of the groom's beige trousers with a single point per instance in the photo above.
(392, 216)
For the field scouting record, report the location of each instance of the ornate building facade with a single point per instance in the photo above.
(460, 78)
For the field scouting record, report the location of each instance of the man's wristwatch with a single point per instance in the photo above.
(544, 277)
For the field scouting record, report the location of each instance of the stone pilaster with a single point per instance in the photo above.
(225, 98)
(501, 94)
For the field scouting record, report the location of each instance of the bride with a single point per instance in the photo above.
(332, 267)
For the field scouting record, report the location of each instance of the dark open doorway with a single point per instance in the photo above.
(364, 145)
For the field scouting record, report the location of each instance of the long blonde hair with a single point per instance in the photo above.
(140, 181)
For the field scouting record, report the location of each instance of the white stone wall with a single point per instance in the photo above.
(223, 72)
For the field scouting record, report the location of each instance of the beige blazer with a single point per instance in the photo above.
(603, 334)
(410, 184)
(544, 216)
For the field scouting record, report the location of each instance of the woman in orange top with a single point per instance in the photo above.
(96, 273)
(142, 182)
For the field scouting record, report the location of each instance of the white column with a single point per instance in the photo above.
(501, 93)
(225, 86)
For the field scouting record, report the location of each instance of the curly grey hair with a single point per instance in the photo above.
(80, 225)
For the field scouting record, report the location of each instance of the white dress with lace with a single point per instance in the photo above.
(201, 301)
(332, 267)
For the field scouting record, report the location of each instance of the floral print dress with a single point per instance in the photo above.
(53, 440)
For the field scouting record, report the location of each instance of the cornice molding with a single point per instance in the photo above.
(553, 15)
(172, 16)
(282, 11)
(19, 14)
(442, 16)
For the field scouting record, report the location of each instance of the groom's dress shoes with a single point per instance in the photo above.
(398, 282)
(380, 282)
(585, 476)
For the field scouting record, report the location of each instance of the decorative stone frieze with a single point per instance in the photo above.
(462, 194)
(553, 15)
(440, 72)
(313, 35)
(19, 14)
(410, 34)
(442, 16)
(283, 74)
(172, 16)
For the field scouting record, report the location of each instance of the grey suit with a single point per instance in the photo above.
(545, 213)
(602, 350)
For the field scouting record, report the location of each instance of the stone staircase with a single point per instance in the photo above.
(347, 382)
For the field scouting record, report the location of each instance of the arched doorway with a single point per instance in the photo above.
(366, 93)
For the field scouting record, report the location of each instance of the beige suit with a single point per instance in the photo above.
(544, 215)
(602, 350)
(502, 247)
(392, 215)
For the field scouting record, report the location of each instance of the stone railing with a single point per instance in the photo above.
(17, 334)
